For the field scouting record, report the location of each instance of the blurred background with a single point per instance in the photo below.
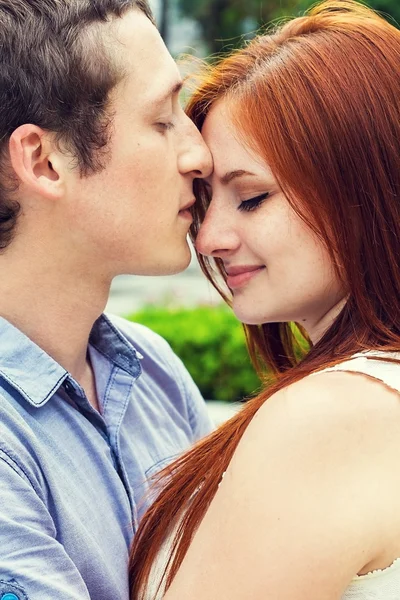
(204, 27)
(184, 308)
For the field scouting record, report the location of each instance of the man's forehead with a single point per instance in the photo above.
(141, 49)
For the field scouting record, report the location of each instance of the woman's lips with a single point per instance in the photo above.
(239, 276)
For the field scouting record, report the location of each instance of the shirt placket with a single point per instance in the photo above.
(116, 401)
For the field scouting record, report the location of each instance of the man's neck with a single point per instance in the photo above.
(54, 308)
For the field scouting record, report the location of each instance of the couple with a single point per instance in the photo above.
(297, 208)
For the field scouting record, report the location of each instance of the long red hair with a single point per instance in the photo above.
(318, 99)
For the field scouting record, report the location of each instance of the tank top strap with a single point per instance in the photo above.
(372, 364)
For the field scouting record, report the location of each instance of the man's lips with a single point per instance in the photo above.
(240, 275)
(185, 212)
(188, 205)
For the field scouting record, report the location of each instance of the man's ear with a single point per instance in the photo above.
(36, 161)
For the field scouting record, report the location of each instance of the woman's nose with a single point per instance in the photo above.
(217, 235)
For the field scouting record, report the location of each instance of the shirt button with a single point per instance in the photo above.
(9, 597)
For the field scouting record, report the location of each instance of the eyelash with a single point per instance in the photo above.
(166, 126)
(252, 203)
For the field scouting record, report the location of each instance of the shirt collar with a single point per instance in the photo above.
(108, 340)
(37, 376)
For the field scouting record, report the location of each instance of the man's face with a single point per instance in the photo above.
(132, 217)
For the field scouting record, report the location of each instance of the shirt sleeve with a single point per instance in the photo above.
(33, 564)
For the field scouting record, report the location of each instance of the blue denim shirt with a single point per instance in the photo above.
(73, 481)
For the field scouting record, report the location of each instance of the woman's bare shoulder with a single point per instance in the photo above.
(307, 493)
(328, 401)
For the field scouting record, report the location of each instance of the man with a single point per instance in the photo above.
(97, 166)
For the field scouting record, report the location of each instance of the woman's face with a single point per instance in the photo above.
(276, 267)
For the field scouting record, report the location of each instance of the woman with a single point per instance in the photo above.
(298, 497)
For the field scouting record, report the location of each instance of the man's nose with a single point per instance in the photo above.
(196, 157)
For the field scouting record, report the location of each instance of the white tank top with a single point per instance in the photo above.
(382, 584)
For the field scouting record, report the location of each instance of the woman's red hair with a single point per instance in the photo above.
(318, 99)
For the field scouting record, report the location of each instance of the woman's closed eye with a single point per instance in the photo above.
(253, 203)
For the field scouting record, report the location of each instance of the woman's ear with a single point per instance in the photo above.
(36, 161)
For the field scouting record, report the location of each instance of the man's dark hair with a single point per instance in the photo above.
(56, 72)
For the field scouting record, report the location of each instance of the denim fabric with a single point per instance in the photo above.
(73, 482)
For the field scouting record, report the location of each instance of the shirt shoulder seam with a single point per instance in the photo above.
(6, 457)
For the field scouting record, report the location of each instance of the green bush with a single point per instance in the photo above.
(211, 343)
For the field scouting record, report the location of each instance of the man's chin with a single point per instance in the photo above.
(179, 261)
(176, 267)
(164, 267)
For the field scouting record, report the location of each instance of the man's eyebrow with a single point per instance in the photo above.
(228, 177)
(175, 89)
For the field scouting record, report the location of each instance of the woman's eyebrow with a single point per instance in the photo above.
(230, 175)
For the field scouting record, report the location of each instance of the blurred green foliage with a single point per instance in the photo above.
(390, 9)
(211, 343)
(224, 23)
